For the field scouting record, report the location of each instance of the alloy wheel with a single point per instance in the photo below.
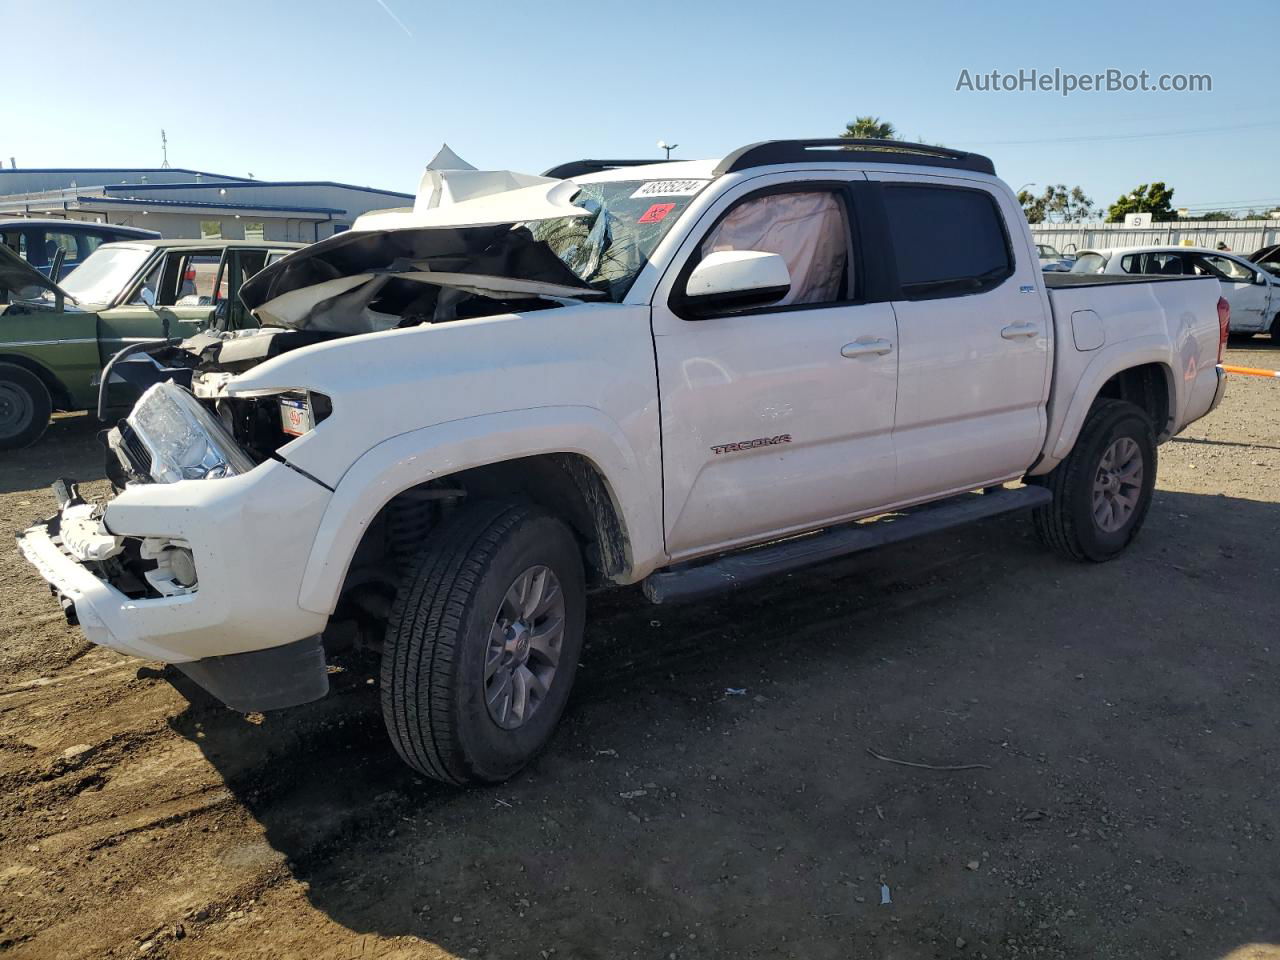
(524, 647)
(1117, 486)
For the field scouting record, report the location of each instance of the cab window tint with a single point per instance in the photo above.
(947, 241)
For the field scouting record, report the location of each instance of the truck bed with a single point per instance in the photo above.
(1171, 322)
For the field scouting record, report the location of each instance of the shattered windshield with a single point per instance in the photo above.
(609, 248)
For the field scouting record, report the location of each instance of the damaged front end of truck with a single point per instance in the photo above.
(160, 570)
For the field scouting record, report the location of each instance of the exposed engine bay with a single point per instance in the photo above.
(188, 424)
(350, 284)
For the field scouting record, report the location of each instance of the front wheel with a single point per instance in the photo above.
(1103, 489)
(25, 406)
(483, 643)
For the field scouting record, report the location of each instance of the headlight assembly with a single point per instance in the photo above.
(185, 441)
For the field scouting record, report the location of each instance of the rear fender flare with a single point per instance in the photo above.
(1104, 366)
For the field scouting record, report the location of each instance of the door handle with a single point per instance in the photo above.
(866, 348)
(1016, 330)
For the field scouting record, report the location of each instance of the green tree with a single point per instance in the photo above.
(1077, 206)
(1033, 207)
(870, 128)
(1057, 205)
(1155, 199)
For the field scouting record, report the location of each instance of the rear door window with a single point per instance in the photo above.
(947, 241)
(1153, 264)
(198, 279)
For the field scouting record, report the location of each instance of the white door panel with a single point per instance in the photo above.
(973, 370)
(1248, 304)
(970, 396)
(768, 427)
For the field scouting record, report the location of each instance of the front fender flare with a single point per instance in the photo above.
(409, 459)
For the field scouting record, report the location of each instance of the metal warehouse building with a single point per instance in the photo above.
(191, 203)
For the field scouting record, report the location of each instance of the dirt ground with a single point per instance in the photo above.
(710, 793)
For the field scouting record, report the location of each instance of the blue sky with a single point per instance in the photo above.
(366, 90)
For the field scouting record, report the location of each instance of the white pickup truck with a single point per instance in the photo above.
(456, 419)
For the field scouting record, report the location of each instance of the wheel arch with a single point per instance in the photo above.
(1149, 386)
(57, 391)
(576, 470)
(1144, 372)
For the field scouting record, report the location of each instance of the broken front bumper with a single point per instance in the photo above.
(250, 536)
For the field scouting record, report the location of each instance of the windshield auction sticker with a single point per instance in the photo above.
(669, 188)
(656, 213)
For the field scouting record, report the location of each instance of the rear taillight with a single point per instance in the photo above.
(1224, 325)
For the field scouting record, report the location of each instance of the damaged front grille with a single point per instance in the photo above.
(135, 451)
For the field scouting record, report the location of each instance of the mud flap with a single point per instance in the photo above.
(271, 679)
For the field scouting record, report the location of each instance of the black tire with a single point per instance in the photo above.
(1068, 525)
(1275, 329)
(25, 406)
(438, 635)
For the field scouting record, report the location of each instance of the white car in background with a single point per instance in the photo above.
(1254, 294)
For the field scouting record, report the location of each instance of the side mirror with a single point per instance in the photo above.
(1260, 277)
(731, 280)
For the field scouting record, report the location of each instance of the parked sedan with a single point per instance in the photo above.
(56, 247)
(56, 338)
(1253, 292)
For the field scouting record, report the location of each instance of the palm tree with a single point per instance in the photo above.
(870, 128)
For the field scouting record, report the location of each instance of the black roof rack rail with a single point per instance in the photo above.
(576, 168)
(851, 150)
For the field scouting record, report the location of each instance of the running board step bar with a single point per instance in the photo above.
(702, 578)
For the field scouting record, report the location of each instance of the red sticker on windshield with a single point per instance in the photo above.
(656, 212)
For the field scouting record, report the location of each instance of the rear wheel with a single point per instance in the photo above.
(1102, 490)
(483, 643)
(1275, 328)
(25, 406)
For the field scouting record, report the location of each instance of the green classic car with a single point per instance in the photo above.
(56, 338)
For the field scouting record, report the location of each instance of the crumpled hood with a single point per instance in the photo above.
(473, 246)
(493, 260)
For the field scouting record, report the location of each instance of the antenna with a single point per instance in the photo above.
(164, 150)
(663, 145)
